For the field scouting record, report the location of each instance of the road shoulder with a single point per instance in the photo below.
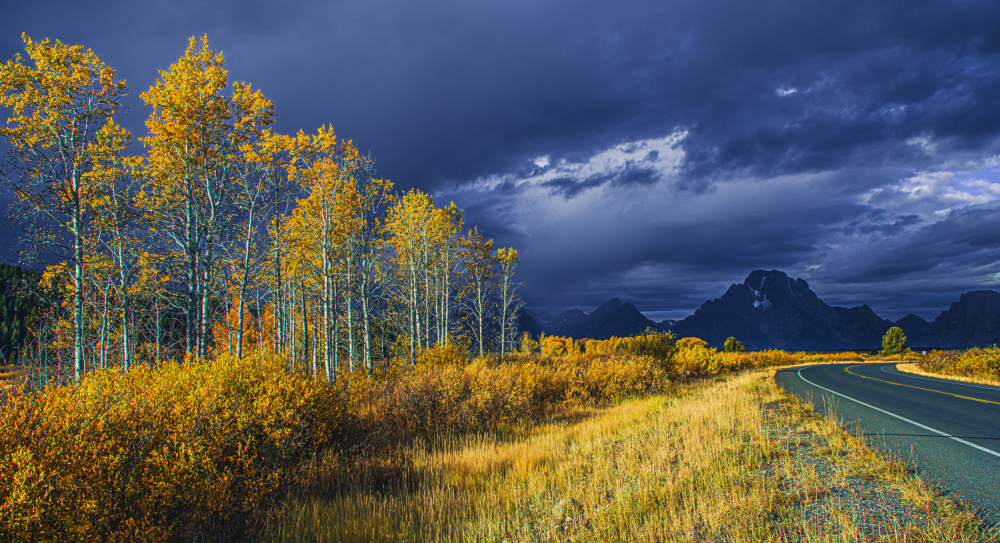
(915, 369)
(850, 491)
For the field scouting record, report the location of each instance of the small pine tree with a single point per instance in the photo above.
(733, 346)
(894, 342)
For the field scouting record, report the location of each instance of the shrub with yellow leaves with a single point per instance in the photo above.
(186, 451)
(481, 395)
(558, 346)
(453, 352)
(976, 363)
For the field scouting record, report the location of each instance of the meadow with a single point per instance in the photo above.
(629, 439)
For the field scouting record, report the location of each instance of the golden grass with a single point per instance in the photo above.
(719, 460)
(977, 379)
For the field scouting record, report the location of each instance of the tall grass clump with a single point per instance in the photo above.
(181, 452)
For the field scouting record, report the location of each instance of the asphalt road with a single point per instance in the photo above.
(949, 431)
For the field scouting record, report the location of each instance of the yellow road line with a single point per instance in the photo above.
(848, 370)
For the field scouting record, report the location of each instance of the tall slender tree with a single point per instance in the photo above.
(61, 129)
(195, 135)
(321, 165)
(410, 232)
(478, 294)
(507, 296)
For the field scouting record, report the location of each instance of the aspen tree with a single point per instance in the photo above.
(320, 164)
(479, 261)
(446, 264)
(256, 174)
(507, 295)
(408, 230)
(374, 197)
(195, 132)
(117, 223)
(61, 126)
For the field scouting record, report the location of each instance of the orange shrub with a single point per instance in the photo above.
(653, 344)
(594, 346)
(694, 357)
(691, 342)
(449, 353)
(528, 345)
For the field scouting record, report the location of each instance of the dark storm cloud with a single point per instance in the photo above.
(662, 249)
(656, 151)
(453, 90)
(967, 237)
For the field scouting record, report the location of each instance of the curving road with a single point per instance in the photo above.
(949, 430)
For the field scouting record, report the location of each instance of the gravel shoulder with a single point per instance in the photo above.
(846, 491)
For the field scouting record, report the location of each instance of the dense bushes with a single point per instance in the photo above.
(476, 395)
(175, 453)
(974, 363)
(198, 450)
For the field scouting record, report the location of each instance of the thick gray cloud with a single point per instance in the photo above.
(656, 151)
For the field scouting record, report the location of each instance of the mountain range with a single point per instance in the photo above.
(770, 310)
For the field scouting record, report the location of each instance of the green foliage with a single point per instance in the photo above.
(893, 342)
(20, 310)
(733, 346)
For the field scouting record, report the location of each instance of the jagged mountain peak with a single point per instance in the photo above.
(775, 286)
(614, 305)
(770, 309)
(974, 320)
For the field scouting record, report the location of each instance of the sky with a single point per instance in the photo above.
(651, 150)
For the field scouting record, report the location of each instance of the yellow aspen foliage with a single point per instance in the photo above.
(63, 140)
(555, 345)
(528, 345)
(196, 135)
(977, 363)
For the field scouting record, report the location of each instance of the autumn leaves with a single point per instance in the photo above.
(221, 228)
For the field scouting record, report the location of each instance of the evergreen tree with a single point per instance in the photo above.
(20, 308)
(894, 342)
(733, 346)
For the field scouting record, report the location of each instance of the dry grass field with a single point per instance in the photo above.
(731, 458)
(575, 446)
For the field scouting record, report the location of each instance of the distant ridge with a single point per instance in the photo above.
(972, 321)
(770, 310)
(612, 318)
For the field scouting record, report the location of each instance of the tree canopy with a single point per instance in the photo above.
(894, 342)
(223, 236)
